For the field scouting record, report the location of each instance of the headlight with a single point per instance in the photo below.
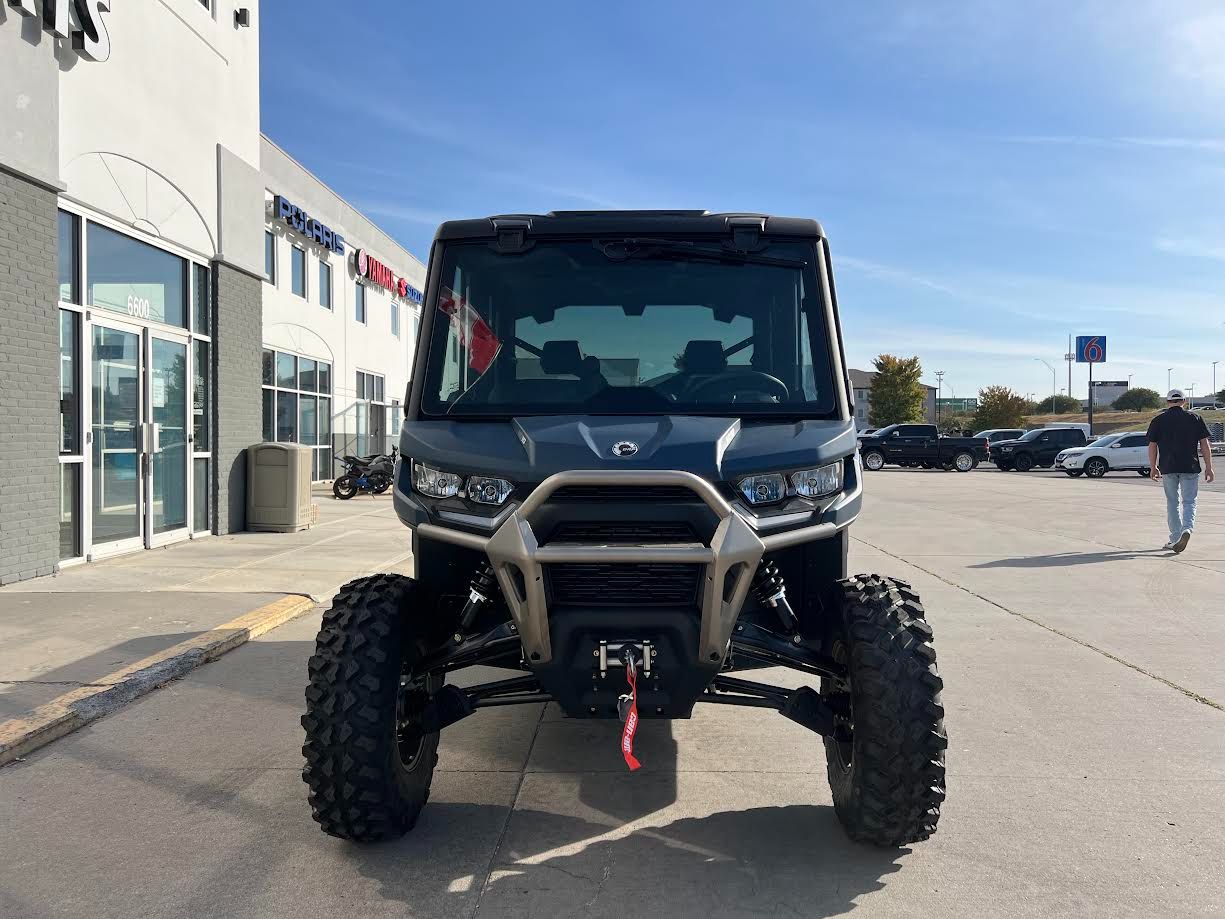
(1005, 449)
(764, 489)
(807, 483)
(819, 482)
(1060, 457)
(485, 489)
(434, 482)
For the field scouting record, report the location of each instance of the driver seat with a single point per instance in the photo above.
(701, 360)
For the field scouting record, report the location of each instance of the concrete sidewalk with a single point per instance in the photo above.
(77, 629)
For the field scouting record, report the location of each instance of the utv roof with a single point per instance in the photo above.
(563, 223)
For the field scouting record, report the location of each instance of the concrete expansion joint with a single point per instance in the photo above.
(1189, 693)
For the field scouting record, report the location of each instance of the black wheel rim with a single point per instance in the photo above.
(410, 703)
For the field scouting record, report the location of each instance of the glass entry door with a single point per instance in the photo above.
(140, 445)
(168, 446)
(116, 407)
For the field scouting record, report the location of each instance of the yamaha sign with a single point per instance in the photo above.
(367, 266)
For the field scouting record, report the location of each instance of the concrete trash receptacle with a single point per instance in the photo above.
(278, 488)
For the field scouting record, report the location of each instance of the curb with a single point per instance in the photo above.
(75, 709)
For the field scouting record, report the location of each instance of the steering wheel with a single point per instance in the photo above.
(728, 384)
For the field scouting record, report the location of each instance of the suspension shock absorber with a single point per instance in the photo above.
(770, 591)
(481, 590)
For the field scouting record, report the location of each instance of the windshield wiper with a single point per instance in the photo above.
(621, 250)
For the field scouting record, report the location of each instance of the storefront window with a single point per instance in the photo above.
(395, 319)
(70, 503)
(308, 427)
(307, 374)
(131, 277)
(270, 256)
(287, 416)
(325, 285)
(269, 431)
(293, 412)
(200, 508)
(297, 271)
(201, 303)
(70, 395)
(199, 404)
(286, 371)
(69, 256)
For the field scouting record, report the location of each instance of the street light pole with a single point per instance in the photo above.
(1054, 382)
(1168, 372)
(1214, 389)
(939, 392)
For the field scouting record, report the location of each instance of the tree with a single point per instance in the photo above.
(897, 396)
(1063, 405)
(999, 407)
(954, 423)
(1138, 399)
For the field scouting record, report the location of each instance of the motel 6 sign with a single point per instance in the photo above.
(1090, 349)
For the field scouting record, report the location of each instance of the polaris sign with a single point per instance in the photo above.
(90, 39)
(307, 225)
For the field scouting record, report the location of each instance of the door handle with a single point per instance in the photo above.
(151, 437)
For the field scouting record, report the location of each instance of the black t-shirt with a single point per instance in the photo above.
(1177, 434)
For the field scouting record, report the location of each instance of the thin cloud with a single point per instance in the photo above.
(1199, 144)
(1193, 248)
(403, 212)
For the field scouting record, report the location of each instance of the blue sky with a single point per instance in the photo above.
(993, 176)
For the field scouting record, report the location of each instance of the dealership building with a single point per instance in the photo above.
(174, 287)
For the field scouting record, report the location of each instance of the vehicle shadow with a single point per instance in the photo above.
(21, 696)
(788, 860)
(1069, 559)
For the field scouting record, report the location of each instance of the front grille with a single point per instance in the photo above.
(608, 584)
(622, 532)
(624, 493)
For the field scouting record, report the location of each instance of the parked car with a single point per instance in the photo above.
(920, 445)
(994, 435)
(1079, 425)
(1035, 448)
(1124, 452)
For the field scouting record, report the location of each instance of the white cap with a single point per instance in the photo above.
(1175, 395)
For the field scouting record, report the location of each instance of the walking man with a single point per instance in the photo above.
(1174, 437)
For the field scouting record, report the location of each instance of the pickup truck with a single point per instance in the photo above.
(1038, 447)
(920, 445)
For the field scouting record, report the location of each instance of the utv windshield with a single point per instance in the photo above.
(629, 326)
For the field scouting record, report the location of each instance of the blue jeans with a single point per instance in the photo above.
(1188, 484)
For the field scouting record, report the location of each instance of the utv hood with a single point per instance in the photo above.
(530, 449)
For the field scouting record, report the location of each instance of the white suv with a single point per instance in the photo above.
(1109, 453)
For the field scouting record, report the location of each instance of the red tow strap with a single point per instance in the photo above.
(631, 720)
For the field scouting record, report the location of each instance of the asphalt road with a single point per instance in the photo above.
(1086, 714)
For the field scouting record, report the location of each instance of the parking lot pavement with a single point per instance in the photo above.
(1084, 779)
